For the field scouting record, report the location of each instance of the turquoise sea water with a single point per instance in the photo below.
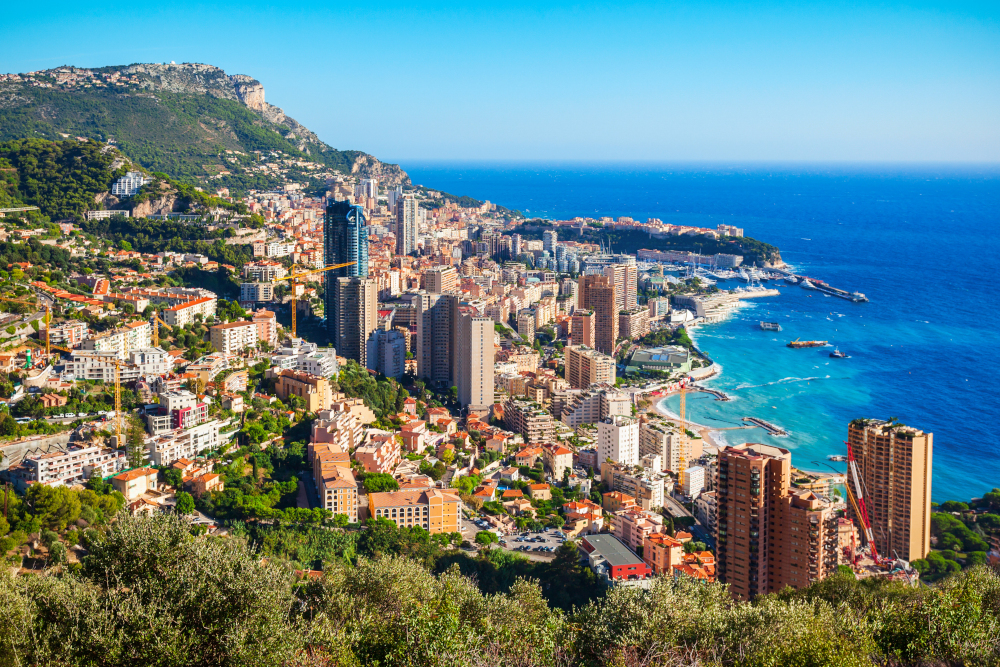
(921, 242)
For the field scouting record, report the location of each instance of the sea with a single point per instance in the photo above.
(922, 242)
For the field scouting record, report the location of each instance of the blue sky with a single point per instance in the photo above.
(664, 81)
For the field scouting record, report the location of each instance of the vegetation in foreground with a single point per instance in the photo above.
(150, 593)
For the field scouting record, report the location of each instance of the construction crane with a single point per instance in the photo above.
(156, 329)
(118, 388)
(294, 276)
(681, 458)
(859, 501)
(48, 317)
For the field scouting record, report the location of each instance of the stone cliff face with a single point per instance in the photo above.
(193, 78)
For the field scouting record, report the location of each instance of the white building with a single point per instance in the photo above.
(694, 481)
(264, 271)
(256, 291)
(618, 440)
(390, 352)
(656, 438)
(129, 184)
(184, 313)
(151, 361)
(706, 510)
(132, 336)
(165, 449)
(99, 366)
(73, 466)
(233, 337)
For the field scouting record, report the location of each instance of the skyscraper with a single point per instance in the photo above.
(345, 239)
(625, 278)
(582, 327)
(474, 362)
(618, 440)
(597, 293)
(769, 535)
(355, 317)
(585, 366)
(894, 473)
(435, 315)
(549, 240)
(406, 225)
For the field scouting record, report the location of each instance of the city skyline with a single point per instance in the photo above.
(822, 82)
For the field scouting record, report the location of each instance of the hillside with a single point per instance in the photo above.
(192, 121)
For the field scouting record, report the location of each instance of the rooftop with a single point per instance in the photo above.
(613, 550)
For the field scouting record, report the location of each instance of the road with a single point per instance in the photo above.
(675, 508)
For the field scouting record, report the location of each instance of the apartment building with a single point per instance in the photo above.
(618, 440)
(656, 438)
(434, 510)
(585, 366)
(526, 324)
(233, 337)
(474, 362)
(100, 366)
(337, 427)
(598, 294)
(632, 525)
(253, 292)
(633, 324)
(582, 328)
(313, 389)
(646, 486)
(625, 279)
(134, 483)
(267, 327)
(335, 482)
(70, 333)
(184, 313)
(558, 460)
(661, 552)
(441, 279)
(178, 409)
(529, 419)
(132, 336)
(382, 454)
(769, 535)
(166, 448)
(66, 468)
(894, 468)
(264, 271)
(354, 317)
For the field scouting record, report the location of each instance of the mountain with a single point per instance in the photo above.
(192, 121)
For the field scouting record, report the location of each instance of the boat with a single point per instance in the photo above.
(792, 280)
(770, 326)
(858, 297)
(836, 457)
(796, 344)
(806, 284)
(837, 354)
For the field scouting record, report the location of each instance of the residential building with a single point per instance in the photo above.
(264, 271)
(658, 439)
(100, 366)
(592, 405)
(558, 460)
(597, 293)
(314, 390)
(134, 483)
(382, 454)
(434, 510)
(706, 510)
(66, 468)
(354, 317)
(582, 328)
(185, 313)
(694, 481)
(633, 324)
(474, 358)
(335, 481)
(662, 552)
(625, 280)
(540, 492)
(583, 517)
(253, 292)
(337, 427)
(585, 366)
(132, 336)
(164, 449)
(768, 535)
(613, 561)
(129, 184)
(390, 352)
(345, 239)
(529, 419)
(618, 440)
(646, 486)
(233, 337)
(178, 409)
(70, 333)
(615, 501)
(436, 315)
(406, 224)
(441, 279)
(267, 327)
(894, 469)
(151, 361)
(632, 525)
(526, 324)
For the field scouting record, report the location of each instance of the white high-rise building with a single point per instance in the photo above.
(694, 481)
(406, 225)
(618, 440)
(549, 240)
(475, 362)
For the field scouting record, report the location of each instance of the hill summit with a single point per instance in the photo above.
(190, 120)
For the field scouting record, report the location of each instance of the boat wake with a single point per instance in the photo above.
(788, 380)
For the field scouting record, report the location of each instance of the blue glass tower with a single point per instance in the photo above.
(345, 239)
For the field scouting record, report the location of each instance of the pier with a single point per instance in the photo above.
(767, 426)
(719, 395)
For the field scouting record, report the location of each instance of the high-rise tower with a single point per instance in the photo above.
(354, 317)
(894, 472)
(598, 293)
(345, 239)
(406, 225)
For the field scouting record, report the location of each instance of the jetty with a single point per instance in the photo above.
(719, 395)
(767, 426)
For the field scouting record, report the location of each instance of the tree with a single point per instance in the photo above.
(380, 482)
(486, 537)
(135, 448)
(185, 503)
(173, 477)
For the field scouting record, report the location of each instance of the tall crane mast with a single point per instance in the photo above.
(682, 447)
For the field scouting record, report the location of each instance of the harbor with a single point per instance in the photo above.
(767, 426)
(821, 286)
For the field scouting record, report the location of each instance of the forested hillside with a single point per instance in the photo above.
(150, 593)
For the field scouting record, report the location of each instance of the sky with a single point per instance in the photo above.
(659, 81)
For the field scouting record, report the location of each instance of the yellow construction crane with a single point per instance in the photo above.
(118, 388)
(294, 276)
(681, 458)
(48, 317)
(156, 329)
